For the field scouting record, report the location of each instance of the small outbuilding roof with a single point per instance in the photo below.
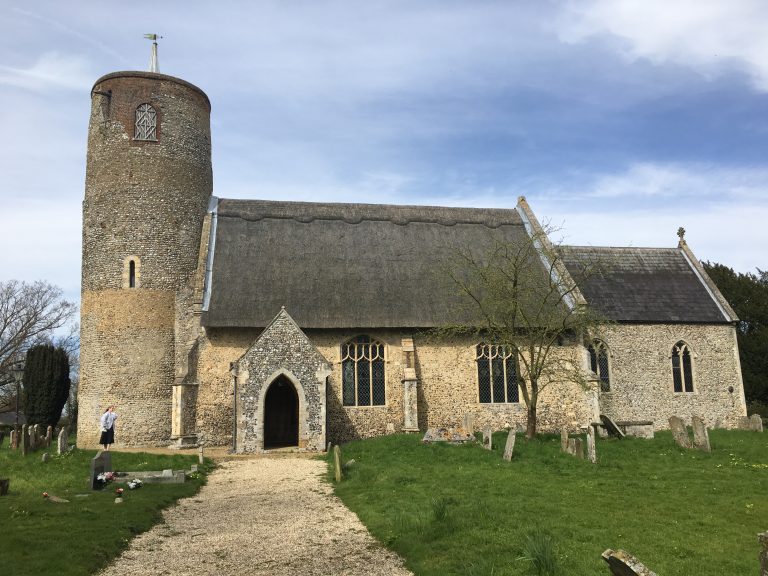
(644, 285)
(343, 265)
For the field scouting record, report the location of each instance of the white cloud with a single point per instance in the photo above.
(709, 36)
(51, 70)
(682, 181)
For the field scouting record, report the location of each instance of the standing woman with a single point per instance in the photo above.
(107, 422)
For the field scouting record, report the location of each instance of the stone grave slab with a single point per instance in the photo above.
(488, 438)
(509, 447)
(564, 440)
(611, 426)
(100, 463)
(469, 423)
(700, 434)
(622, 563)
(14, 444)
(63, 441)
(756, 423)
(591, 448)
(637, 428)
(450, 435)
(679, 432)
(744, 423)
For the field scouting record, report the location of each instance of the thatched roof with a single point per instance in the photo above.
(658, 285)
(343, 265)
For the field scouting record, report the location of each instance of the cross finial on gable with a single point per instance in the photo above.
(681, 233)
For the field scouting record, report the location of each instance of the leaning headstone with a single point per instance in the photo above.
(63, 444)
(623, 563)
(679, 432)
(488, 438)
(700, 434)
(509, 447)
(337, 463)
(14, 441)
(46, 457)
(48, 436)
(745, 423)
(756, 423)
(24, 440)
(611, 426)
(469, 423)
(763, 540)
(564, 440)
(591, 449)
(100, 463)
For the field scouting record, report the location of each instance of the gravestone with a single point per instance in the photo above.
(611, 426)
(63, 444)
(488, 438)
(36, 440)
(450, 435)
(745, 423)
(390, 428)
(509, 448)
(700, 434)
(48, 436)
(564, 440)
(200, 457)
(24, 440)
(469, 423)
(578, 448)
(337, 463)
(622, 563)
(2, 437)
(679, 432)
(46, 457)
(330, 447)
(756, 423)
(763, 541)
(100, 463)
(591, 448)
(14, 440)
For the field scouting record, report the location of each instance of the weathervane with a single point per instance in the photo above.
(153, 63)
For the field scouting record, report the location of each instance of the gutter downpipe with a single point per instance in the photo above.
(233, 371)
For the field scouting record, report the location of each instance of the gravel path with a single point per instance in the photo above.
(262, 516)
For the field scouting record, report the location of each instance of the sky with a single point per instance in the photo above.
(619, 120)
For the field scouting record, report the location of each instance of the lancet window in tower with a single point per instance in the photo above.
(146, 123)
(497, 374)
(362, 372)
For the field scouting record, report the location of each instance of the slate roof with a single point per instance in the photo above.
(343, 265)
(643, 285)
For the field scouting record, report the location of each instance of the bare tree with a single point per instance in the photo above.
(30, 313)
(522, 298)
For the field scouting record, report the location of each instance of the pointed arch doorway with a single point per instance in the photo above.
(281, 414)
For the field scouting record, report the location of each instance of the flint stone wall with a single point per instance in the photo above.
(640, 359)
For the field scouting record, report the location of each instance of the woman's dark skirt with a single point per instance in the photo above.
(107, 437)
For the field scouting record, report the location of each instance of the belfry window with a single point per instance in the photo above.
(598, 363)
(682, 370)
(146, 123)
(497, 374)
(362, 372)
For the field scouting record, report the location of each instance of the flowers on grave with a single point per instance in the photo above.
(135, 483)
(105, 477)
(119, 492)
(45, 494)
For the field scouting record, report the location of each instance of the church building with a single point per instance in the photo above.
(261, 324)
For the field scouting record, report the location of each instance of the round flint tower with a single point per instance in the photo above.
(148, 184)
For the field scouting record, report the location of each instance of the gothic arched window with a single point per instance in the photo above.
(362, 372)
(497, 374)
(598, 363)
(146, 123)
(682, 371)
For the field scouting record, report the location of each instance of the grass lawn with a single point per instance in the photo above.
(38, 536)
(464, 510)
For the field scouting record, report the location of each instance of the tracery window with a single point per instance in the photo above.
(362, 372)
(497, 374)
(682, 370)
(146, 123)
(598, 363)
